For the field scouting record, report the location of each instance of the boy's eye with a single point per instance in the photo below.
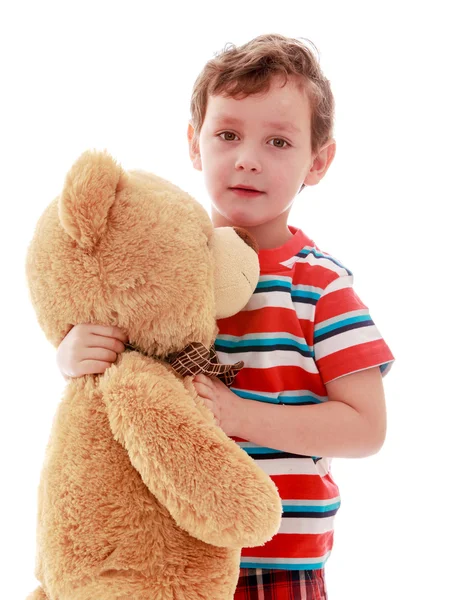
(279, 143)
(228, 136)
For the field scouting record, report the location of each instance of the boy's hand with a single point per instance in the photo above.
(89, 349)
(220, 400)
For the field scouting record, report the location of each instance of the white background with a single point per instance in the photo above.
(118, 75)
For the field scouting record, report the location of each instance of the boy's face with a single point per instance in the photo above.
(255, 154)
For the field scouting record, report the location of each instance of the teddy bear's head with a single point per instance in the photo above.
(132, 250)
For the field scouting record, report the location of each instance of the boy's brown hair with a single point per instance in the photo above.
(250, 69)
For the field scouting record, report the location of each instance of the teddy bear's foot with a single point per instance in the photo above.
(38, 594)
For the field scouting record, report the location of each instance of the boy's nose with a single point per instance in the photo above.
(248, 163)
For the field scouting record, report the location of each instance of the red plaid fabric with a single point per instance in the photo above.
(276, 584)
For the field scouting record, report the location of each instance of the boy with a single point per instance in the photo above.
(261, 130)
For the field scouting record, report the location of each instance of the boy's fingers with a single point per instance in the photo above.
(201, 378)
(208, 403)
(109, 343)
(109, 331)
(201, 389)
(101, 354)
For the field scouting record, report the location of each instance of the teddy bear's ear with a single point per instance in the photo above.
(89, 192)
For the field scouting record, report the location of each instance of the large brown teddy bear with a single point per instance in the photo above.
(142, 496)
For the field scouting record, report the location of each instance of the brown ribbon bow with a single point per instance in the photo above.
(196, 358)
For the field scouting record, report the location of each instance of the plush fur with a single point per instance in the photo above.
(142, 496)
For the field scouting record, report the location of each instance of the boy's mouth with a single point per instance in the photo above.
(243, 190)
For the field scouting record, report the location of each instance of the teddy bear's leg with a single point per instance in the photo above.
(121, 587)
(38, 594)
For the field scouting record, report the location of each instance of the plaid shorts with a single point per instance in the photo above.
(277, 584)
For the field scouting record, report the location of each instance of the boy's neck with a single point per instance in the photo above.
(272, 234)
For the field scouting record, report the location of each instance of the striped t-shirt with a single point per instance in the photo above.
(303, 327)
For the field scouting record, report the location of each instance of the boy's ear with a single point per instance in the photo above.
(89, 193)
(193, 145)
(321, 163)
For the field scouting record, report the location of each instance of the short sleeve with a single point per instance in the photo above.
(346, 339)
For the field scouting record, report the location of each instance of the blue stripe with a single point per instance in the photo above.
(300, 400)
(261, 450)
(279, 399)
(261, 348)
(262, 342)
(339, 324)
(306, 251)
(283, 566)
(263, 285)
(301, 294)
(276, 283)
(317, 509)
(385, 367)
(250, 396)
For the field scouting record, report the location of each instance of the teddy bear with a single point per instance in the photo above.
(142, 495)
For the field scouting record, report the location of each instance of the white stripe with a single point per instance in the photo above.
(251, 445)
(275, 278)
(289, 263)
(323, 466)
(311, 502)
(378, 364)
(269, 359)
(289, 561)
(342, 317)
(267, 299)
(269, 395)
(279, 395)
(303, 393)
(287, 466)
(347, 339)
(263, 336)
(305, 525)
(303, 310)
(307, 288)
(294, 466)
(346, 281)
(322, 262)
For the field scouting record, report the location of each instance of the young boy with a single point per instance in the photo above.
(261, 130)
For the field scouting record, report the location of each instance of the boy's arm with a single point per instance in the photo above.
(212, 489)
(348, 350)
(351, 424)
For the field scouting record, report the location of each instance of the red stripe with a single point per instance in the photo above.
(293, 545)
(279, 378)
(355, 358)
(316, 275)
(264, 320)
(337, 303)
(307, 327)
(305, 487)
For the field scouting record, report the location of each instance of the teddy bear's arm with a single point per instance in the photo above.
(212, 489)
